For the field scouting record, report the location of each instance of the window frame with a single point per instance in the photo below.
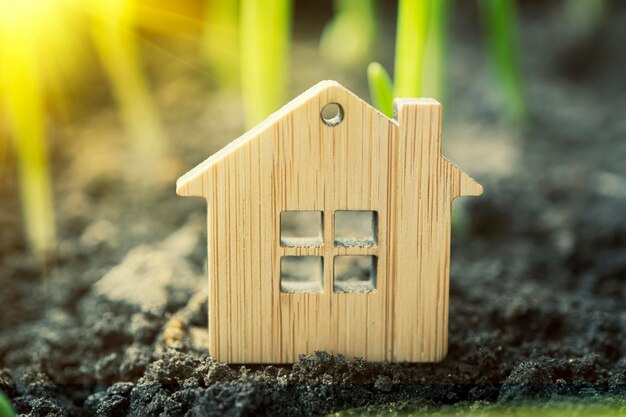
(329, 250)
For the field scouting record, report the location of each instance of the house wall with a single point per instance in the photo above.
(364, 163)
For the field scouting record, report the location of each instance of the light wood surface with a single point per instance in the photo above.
(294, 161)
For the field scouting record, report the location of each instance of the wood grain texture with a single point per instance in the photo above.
(294, 161)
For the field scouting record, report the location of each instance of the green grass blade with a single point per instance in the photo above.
(412, 32)
(433, 79)
(264, 45)
(500, 20)
(22, 99)
(5, 407)
(349, 38)
(221, 41)
(380, 88)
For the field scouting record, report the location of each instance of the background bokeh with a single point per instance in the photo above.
(64, 61)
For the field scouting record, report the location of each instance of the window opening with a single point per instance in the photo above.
(301, 274)
(355, 273)
(301, 228)
(356, 228)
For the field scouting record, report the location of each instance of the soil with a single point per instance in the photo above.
(116, 324)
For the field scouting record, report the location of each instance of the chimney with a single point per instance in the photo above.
(419, 129)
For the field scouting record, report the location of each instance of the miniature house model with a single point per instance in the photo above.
(329, 230)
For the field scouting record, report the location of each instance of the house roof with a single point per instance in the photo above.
(191, 183)
(187, 181)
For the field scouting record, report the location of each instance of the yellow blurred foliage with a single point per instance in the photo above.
(44, 53)
(33, 42)
(171, 17)
(113, 31)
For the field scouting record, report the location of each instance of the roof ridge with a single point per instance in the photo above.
(255, 131)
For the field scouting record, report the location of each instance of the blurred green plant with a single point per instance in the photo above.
(41, 54)
(433, 78)
(5, 407)
(221, 41)
(500, 20)
(112, 29)
(381, 88)
(264, 45)
(24, 107)
(419, 55)
(4, 151)
(411, 36)
(348, 39)
(32, 35)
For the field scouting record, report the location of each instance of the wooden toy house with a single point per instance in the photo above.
(378, 289)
